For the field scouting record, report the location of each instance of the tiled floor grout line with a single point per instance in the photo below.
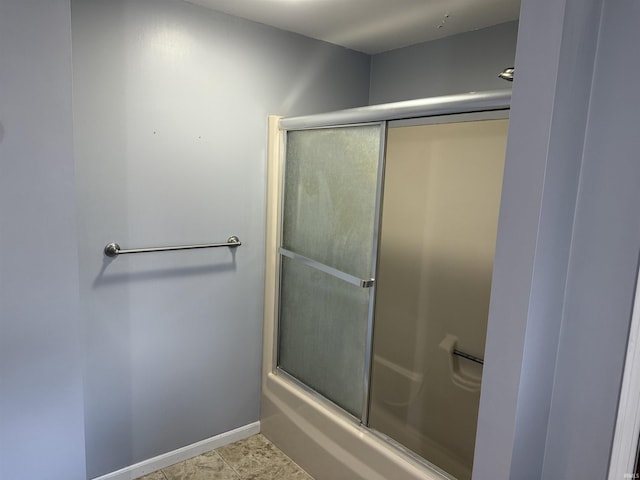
(272, 463)
(289, 458)
(240, 477)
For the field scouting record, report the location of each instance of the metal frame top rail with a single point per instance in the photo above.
(444, 105)
(113, 249)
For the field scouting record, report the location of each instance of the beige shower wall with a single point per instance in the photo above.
(440, 213)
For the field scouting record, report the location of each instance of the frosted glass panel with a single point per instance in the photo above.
(330, 194)
(323, 325)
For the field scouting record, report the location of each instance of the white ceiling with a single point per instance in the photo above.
(372, 26)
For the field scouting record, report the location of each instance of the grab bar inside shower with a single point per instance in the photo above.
(113, 249)
(468, 356)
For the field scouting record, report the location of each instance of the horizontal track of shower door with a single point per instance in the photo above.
(330, 217)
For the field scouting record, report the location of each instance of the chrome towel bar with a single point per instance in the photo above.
(113, 249)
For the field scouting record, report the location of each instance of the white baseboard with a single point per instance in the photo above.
(181, 454)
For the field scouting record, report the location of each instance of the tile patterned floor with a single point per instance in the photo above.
(254, 458)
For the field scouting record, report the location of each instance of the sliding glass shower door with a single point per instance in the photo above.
(443, 182)
(329, 241)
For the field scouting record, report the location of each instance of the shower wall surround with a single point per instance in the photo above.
(170, 107)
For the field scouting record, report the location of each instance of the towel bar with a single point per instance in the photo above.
(113, 249)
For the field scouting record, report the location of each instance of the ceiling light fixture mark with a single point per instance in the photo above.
(444, 20)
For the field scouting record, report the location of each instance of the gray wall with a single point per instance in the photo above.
(41, 412)
(461, 63)
(171, 103)
(603, 262)
(567, 248)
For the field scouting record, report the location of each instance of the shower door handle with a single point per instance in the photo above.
(353, 280)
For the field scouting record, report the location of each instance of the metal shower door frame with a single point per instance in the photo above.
(407, 111)
(364, 283)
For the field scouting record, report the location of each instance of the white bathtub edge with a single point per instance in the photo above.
(328, 445)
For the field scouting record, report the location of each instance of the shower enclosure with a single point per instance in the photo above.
(381, 237)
